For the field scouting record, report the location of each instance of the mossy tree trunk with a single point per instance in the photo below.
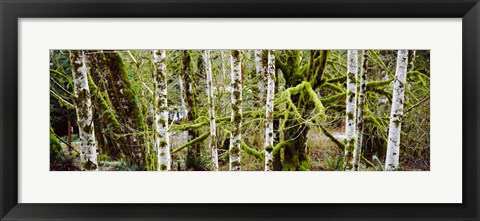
(83, 103)
(396, 114)
(236, 119)
(115, 81)
(296, 156)
(269, 134)
(211, 108)
(189, 81)
(107, 130)
(162, 139)
(350, 140)
(360, 111)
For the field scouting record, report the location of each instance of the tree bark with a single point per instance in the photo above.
(189, 79)
(236, 120)
(119, 104)
(88, 149)
(260, 71)
(396, 114)
(360, 112)
(350, 140)
(269, 134)
(162, 139)
(295, 151)
(211, 108)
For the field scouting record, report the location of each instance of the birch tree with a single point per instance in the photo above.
(260, 71)
(269, 136)
(162, 142)
(360, 112)
(88, 149)
(352, 69)
(211, 108)
(396, 114)
(236, 119)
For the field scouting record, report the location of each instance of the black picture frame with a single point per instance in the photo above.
(12, 10)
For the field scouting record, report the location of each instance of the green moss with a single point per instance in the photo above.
(327, 133)
(378, 84)
(397, 123)
(163, 167)
(350, 115)
(334, 98)
(192, 142)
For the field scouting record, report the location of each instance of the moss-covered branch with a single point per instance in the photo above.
(251, 151)
(279, 146)
(327, 133)
(377, 58)
(333, 87)
(378, 84)
(62, 101)
(340, 79)
(334, 98)
(192, 142)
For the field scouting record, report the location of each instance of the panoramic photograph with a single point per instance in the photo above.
(240, 110)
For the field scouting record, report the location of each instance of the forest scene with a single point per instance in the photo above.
(239, 110)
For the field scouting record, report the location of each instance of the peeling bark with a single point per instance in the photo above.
(396, 114)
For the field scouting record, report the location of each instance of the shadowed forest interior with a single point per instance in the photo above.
(240, 110)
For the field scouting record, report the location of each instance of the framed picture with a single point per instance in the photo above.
(164, 110)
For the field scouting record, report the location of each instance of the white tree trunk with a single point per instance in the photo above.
(260, 71)
(396, 114)
(269, 136)
(88, 149)
(360, 112)
(162, 142)
(352, 70)
(211, 108)
(236, 122)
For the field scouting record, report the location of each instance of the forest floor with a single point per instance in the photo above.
(324, 156)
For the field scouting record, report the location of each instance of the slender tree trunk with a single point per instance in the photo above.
(236, 122)
(352, 69)
(269, 136)
(189, 80)
(360, 112)
(396, 114)
(211, 108)
(260, 71)
(162, 140)
(88, 149)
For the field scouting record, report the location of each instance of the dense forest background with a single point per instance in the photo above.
(248, 110)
